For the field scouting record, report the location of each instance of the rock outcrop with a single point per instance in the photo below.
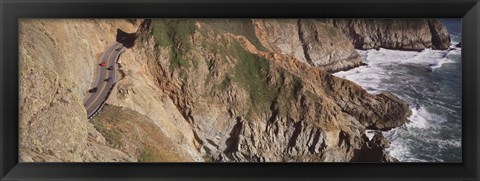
(374, 150)
(399, 34)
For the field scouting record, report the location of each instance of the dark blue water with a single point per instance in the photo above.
(430, 81)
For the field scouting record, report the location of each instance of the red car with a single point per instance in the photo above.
(103, 64)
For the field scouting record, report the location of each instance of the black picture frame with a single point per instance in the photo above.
(11, 169)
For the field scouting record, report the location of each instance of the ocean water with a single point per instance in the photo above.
(430, 81)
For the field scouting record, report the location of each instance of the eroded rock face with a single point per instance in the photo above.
(311, 41)
(399, 34)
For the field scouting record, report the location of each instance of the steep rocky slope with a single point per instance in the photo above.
(401, 34)
(57, 60)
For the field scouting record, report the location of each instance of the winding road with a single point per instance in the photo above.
(95, 99)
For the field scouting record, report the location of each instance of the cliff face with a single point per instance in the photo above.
(314, 42)
(401, 34)
(241, 101)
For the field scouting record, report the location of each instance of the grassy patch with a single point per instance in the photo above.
(174, 33)
(225, 83)
(137, 136)
(290, 89)
(112, 136)
(149, 154)
(251, 73)
(177, 60)
(240, 26)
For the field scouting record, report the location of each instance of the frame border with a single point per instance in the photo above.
(11, 169)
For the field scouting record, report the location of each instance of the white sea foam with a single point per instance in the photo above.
(422, 118)
(441, 62)
(445, 144)
(419, 118)
(401, 149)
(384, 68)
(370, 76)
(437, 63)
(454, 39)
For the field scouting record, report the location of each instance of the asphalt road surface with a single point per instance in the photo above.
(95, 100)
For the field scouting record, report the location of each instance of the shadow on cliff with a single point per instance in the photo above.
(373, 150)
(127, 39)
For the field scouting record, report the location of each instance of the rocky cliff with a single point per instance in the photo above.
(200, 90)
(399, 34)
(314, 42)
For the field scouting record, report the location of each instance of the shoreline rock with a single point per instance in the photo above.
(374, 150)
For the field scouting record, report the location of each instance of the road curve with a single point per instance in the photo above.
(95, 100)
